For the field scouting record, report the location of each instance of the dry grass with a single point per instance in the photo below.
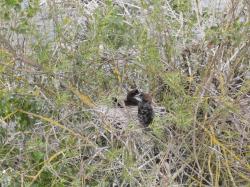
(61, 64)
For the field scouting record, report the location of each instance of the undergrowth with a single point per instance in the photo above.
(60, 61)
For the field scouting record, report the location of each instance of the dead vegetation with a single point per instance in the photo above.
(62, 62)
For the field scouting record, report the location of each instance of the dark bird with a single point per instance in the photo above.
(145, 109)
(131, 100)
(137, 106)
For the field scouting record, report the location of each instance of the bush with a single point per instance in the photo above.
(62, 62)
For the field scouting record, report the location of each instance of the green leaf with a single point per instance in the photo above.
(37, 156)
(12, 2)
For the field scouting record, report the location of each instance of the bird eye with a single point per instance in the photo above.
(137, 91)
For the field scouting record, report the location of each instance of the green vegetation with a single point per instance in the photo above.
(61, 61)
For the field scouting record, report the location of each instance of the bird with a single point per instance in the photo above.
(136, 106)
(129, 101)
(145, 110)
(122, 112)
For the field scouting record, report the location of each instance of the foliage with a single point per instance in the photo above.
(59, 62)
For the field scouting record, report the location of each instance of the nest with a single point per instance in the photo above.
(121, 117)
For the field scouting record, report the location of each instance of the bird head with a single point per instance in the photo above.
(143, 97)
(131, 100)
(132, 93)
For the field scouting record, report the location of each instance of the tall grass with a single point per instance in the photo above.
(60, 60)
